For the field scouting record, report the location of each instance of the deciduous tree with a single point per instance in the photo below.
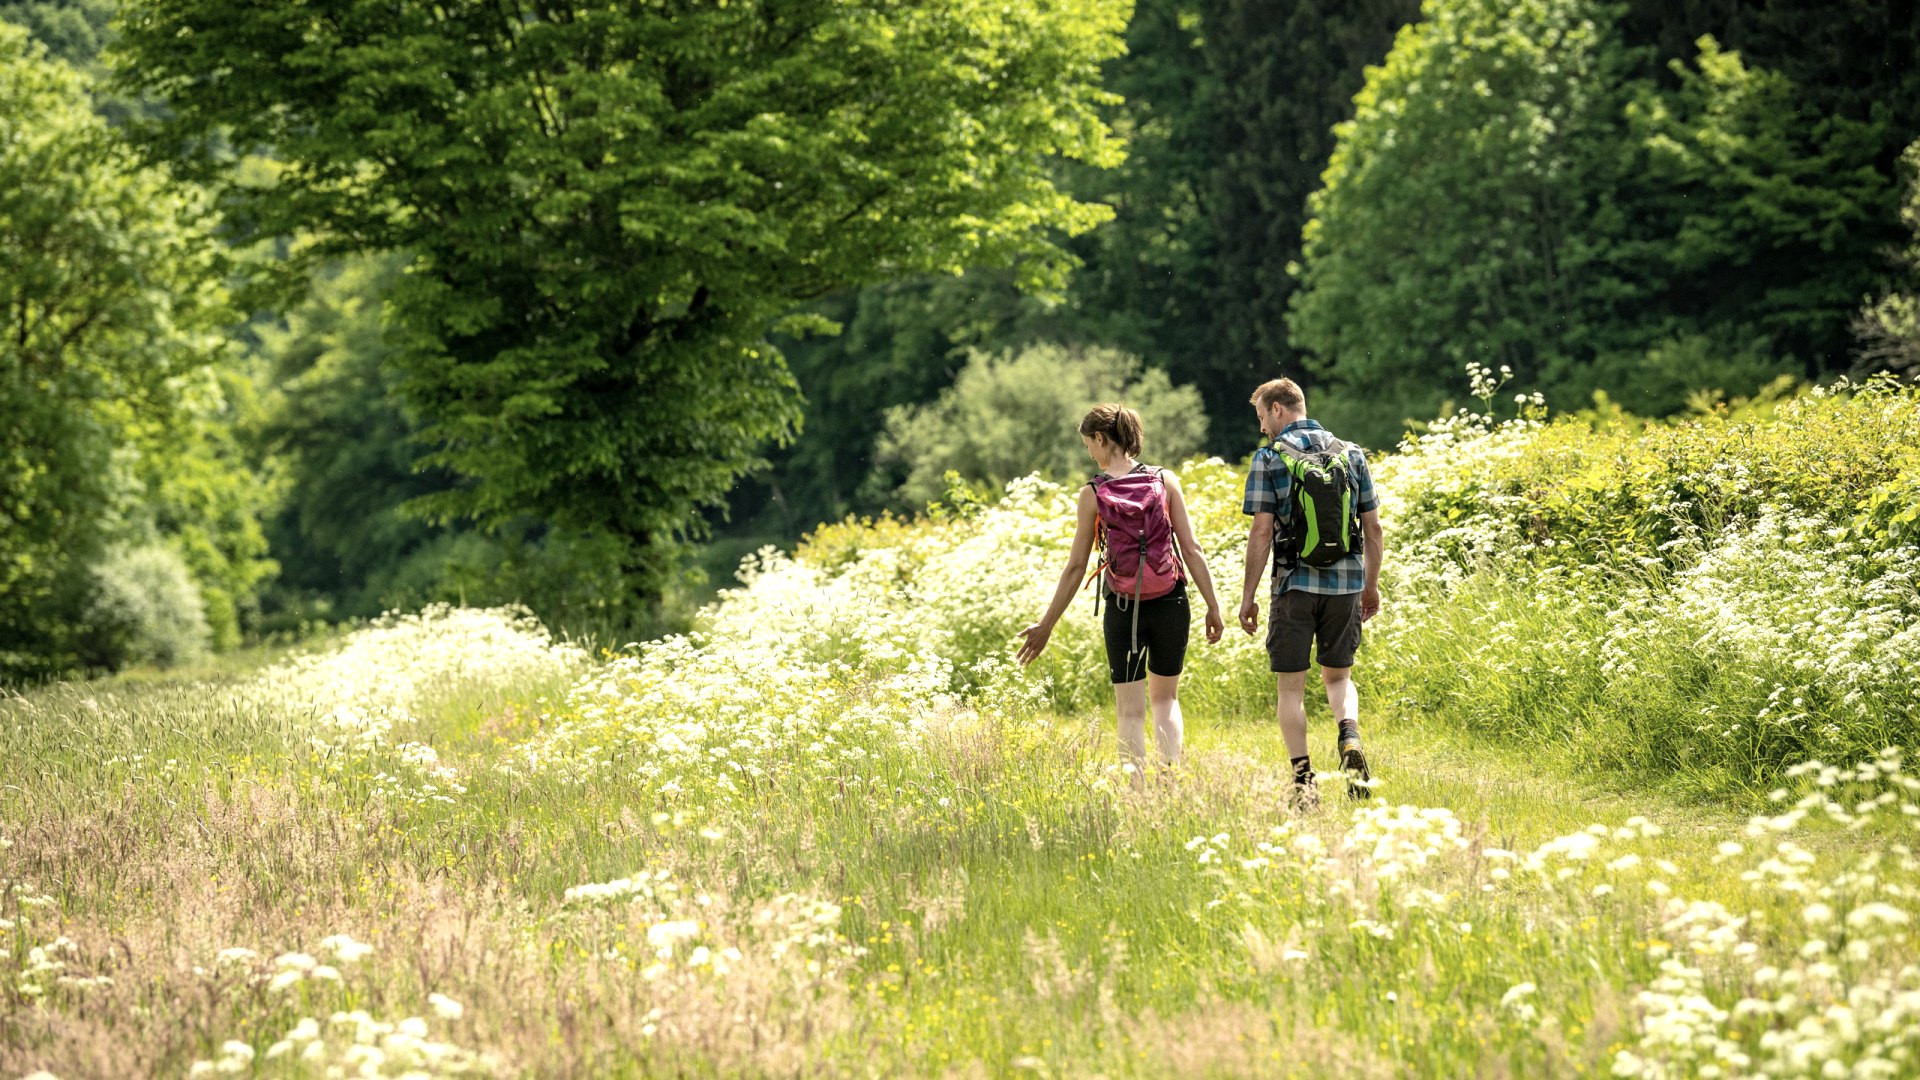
(110, 306)
(1518, 189)
(1471, 212)
(608, 206)
(1284, 74)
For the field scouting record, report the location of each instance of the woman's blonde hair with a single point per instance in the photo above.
(1119, 424)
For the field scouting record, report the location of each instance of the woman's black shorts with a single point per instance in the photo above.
(1163, 636)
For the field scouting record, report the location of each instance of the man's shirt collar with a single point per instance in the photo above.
(1297, 427)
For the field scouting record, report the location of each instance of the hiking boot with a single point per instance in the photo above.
(1353, 761)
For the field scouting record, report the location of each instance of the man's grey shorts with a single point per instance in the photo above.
(1302, 619)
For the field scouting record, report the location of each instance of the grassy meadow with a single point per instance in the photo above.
(836, 832)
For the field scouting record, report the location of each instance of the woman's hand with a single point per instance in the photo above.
(1215, 625)
(1034, 640)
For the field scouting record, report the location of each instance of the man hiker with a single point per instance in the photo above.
(1313, 506)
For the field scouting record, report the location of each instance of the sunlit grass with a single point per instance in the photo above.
(992, 895)
(836, 832)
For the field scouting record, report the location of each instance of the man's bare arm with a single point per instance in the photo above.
(1259, 547)
(1375, 556)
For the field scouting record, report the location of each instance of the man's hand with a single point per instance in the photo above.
(1034, 642)
(1216, 626)
(1369, 602)
(1249, 616)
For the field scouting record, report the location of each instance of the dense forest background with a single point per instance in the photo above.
(317, 310)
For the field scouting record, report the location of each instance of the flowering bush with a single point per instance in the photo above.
(393, 675)
(1649, 497)
(1714, 599)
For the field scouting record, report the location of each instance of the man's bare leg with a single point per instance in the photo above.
(1291, 711)
(1343, 698)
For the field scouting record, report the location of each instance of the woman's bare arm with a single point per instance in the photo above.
(1034, 638)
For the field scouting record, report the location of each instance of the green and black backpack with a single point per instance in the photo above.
(1325, 525)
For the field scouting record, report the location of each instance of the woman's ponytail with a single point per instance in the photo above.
(1119, 424)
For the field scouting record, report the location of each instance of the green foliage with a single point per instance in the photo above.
(1516, 190)
(79, 33)
(1777, 212)
(343, 451)
(347, 461)
(1672, 372)
(901, 343)
(1848, 58)
(1703, 602)
(1151, 275)
(1889, 328)
(1016, 413)
(835, 546)
(1281, 78)
(144, 609)
(73, 31)
(1469, 212)
(1226, 108)
(573, 580)
(110, 292)
(1706, 600)
(608, 208)
(201, 492)
(1889, 332)
(1638, 497)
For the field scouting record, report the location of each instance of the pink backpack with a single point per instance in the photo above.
(1135, 535)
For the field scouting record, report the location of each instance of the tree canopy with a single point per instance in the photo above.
(111, 307)
(1283, 75)
(1516, 189)
(73, 31)
(607, 208)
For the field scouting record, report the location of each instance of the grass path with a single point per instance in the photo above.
(1520, 797)
(995, 903)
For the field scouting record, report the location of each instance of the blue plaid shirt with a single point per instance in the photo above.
(1270, 491)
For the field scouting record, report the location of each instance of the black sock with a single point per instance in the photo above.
(1302, 770)
(1349, 729)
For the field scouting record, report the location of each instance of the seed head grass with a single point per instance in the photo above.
(1635, 708)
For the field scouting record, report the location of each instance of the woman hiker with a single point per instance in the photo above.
(1140, 518)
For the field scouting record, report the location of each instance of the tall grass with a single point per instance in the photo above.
(835, 832)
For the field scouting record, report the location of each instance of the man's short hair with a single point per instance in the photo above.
(1282, 392)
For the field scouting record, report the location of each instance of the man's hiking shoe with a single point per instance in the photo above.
(1354, 761)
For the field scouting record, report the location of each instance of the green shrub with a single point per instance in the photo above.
(1679, 371)
(1710, 599)
(145, 609)
(1010, 415)
(1568, 493)
(836, 545)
